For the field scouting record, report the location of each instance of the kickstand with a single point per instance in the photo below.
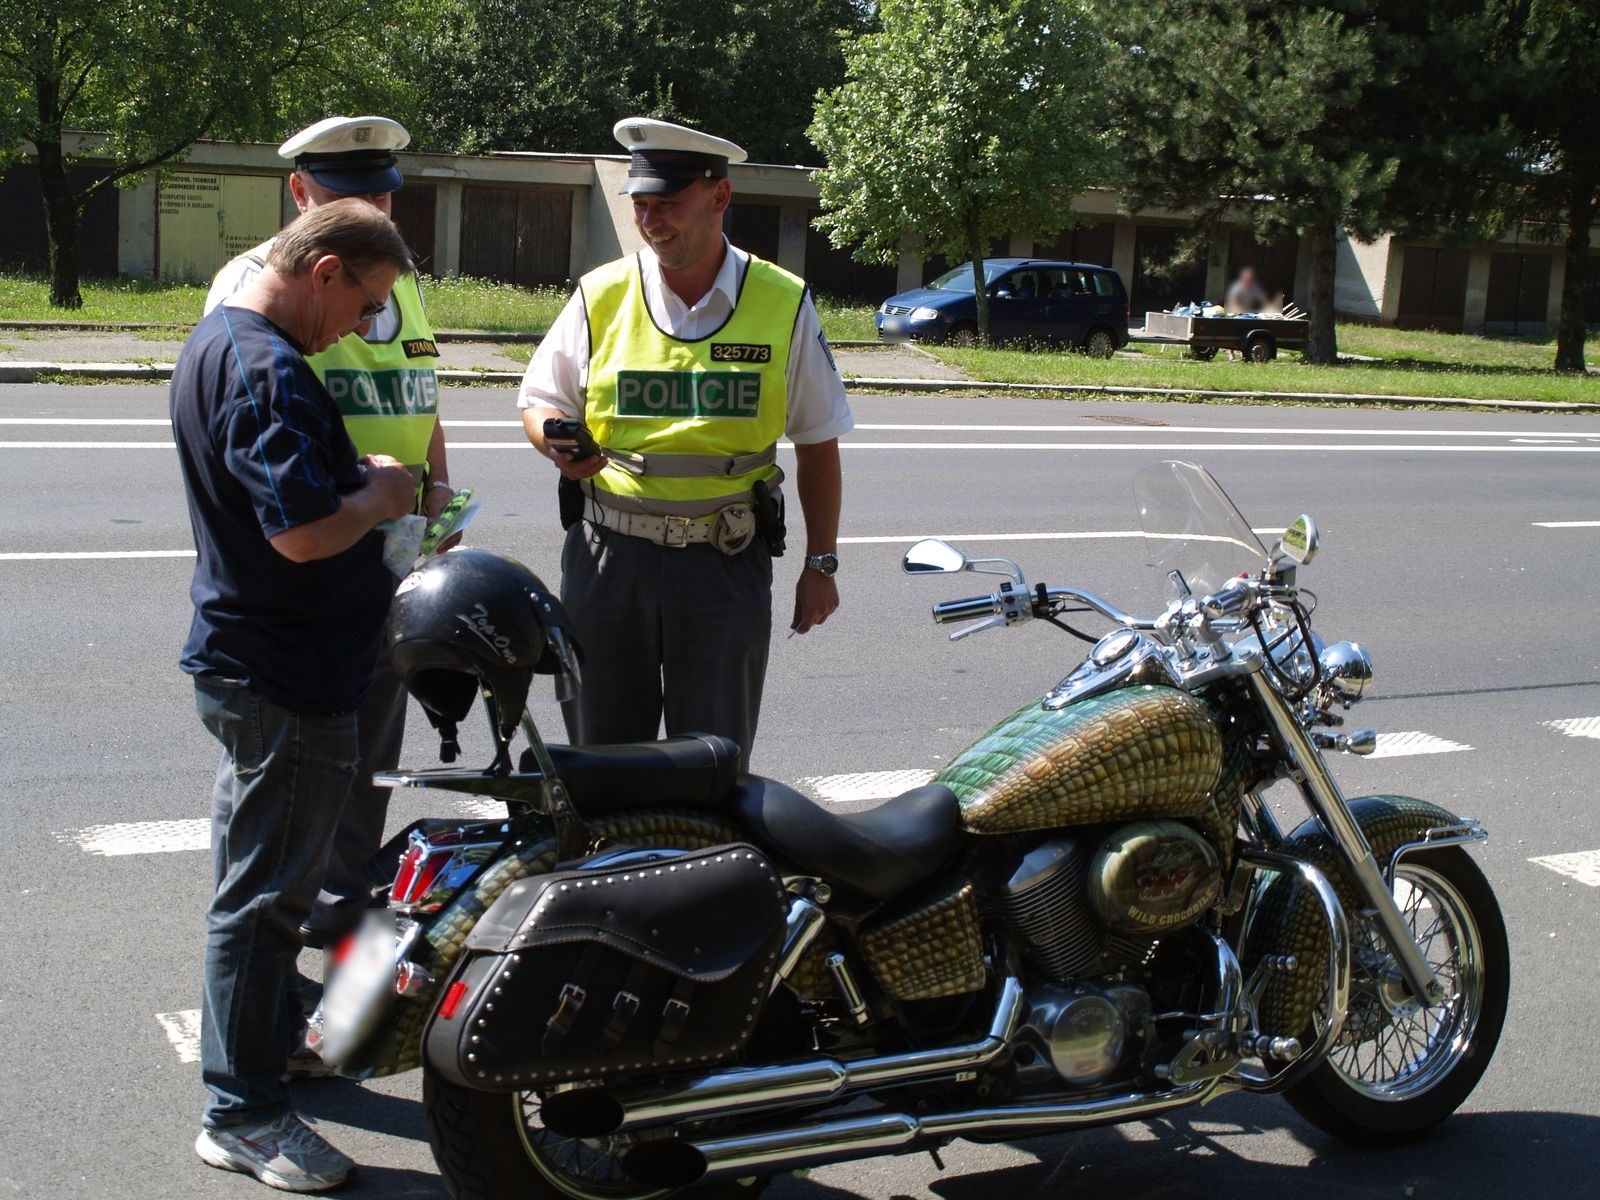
(937, 1161)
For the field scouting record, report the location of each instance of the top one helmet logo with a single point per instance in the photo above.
(479, 625)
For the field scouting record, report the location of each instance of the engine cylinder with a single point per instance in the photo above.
(1043, 900)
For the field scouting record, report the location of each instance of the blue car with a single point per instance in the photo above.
(1030, 300)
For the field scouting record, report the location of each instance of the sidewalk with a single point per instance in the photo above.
(29, 354)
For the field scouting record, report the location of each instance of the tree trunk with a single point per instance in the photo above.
(61, 226)
(1571, 332)
(980, 291)
(1322, 345)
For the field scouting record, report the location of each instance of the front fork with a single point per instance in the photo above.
(1326, 800)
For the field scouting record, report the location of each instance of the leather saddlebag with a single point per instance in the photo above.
(605, 971)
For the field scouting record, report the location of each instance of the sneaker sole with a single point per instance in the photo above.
(214, 1155)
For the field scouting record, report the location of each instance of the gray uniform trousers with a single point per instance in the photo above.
(674, 633)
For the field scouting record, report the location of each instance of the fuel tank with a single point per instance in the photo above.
(1131, 754)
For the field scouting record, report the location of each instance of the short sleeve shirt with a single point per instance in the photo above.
(263, 449)
(818, 410)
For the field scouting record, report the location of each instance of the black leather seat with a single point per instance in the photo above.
(698, 770)
(879, 852)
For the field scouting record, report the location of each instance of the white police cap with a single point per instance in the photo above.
(666, 158)
(353, 155)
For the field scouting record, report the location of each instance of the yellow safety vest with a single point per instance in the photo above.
(690, 426)
(387, 392)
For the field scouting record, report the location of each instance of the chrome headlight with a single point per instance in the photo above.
(923, 313)
(1346, 672)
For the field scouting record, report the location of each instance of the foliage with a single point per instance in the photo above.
(154, 78)
(1357, 115)
(960, 121)
(1555, 180)
(542, 75)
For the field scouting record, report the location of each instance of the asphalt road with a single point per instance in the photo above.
(1436, 555)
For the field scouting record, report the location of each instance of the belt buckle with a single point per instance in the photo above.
(681, 524)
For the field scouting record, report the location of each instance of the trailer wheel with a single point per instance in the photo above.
(1203, 353)
(1260, 347)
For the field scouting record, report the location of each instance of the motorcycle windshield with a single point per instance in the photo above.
(1192, 527)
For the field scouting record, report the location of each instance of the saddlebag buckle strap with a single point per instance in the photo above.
(625, 1004)
(674, 1016)
(562, 1020)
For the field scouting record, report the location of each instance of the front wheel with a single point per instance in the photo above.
(1398, 1067)
(491, 1146)
(1101, 343)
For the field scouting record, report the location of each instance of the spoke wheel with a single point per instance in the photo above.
(1398, 1066)
(1100, 344)
(492, 1146)
(963, 336)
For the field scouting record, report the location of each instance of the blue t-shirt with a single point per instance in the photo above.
(263, 449)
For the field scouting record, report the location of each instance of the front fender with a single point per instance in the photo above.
(1287, 919)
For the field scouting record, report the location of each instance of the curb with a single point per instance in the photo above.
(33, 372)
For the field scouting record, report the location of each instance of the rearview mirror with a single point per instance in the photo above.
(930, 556)
(1299, 542)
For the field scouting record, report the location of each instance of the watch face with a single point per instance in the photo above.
(827, 564)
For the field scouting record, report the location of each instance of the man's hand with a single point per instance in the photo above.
(815, 597)
(393, 492)
(533, 420)
(434, 500)
(578, 468)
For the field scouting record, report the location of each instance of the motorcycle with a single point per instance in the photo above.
(656, 974)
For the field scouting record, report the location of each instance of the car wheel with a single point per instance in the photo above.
(1101, 343)
(1203, 353)
(963, 335)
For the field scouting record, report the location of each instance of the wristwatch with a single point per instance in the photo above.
(823, 564)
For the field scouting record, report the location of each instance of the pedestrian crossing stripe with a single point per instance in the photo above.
(1578, 727)
(141, 837)
(862, 785)
(1403, 745)
(183, 1031)
(1583, 866)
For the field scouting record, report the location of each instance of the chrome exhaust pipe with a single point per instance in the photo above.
(669, 1163)
(740, 1091)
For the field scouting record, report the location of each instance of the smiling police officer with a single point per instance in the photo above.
(686, 363)
(385, 385)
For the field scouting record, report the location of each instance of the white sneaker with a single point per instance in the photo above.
(286, 1154)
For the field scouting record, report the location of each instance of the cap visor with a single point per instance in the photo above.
(656, 186)
(356, 181)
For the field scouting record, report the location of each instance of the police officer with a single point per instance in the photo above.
(686, 361)
(386, 388)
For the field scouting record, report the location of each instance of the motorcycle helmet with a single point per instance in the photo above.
(472, 621)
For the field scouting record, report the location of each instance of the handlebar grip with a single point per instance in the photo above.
(970, 609)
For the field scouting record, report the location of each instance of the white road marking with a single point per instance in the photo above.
(1403, 745)
(1567, 524)
(1140, 447)
(1578, 727)
(20, 556)
(183, 1031)
(141, 837)
(1583, 866)
(481, 810)
(863, 785)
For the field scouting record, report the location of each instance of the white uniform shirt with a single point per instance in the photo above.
(559, 371)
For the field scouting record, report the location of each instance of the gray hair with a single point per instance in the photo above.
(354, 231)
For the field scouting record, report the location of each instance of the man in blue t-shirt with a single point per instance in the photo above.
(290, 593)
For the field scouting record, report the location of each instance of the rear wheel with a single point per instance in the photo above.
(492, 1146)
(1203, 353)
(1261, 348)
(1398, 1067)
(1101, 343)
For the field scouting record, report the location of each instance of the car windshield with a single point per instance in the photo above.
(959, 279)
(1191, 526)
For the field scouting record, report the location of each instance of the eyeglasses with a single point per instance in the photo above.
(375, 308)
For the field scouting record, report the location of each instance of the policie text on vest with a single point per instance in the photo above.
(689, 394)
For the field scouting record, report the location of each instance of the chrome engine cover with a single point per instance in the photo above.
(1077, 1035)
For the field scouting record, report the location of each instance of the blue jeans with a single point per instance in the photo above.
(290, 775)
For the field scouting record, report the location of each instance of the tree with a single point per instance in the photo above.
(1358, 115)
(1557, 179)
(549, 75)
(960, 121)
(155, 78)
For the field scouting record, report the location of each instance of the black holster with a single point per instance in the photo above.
(768, 504)
(569, 499)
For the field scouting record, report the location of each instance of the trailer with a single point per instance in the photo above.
(1258, 338)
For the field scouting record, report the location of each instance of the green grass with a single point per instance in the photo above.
(464, 303)
(846, 320)
(105, 301)
(1413, 364)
